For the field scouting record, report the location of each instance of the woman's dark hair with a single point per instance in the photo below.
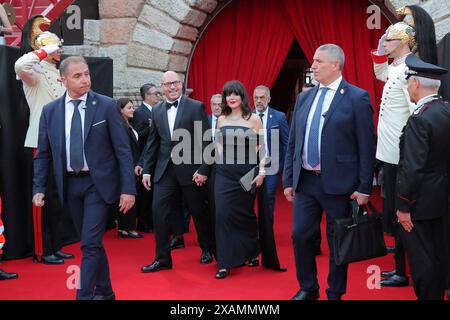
(425, 34)
(237, 88)
(121, 103)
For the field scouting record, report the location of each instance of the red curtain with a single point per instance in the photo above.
(248, 41)
(344, 23)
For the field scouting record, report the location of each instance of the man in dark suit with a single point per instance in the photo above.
(82, 136)
(216, 111)
(422, 180)
(177, 168)
(141, 123)
(275, 128)
(329, 160)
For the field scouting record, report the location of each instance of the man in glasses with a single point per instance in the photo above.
(174, 167)
(141, 122)
(37, 69)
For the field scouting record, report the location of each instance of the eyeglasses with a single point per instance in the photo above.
(173, 83)
(157, 93)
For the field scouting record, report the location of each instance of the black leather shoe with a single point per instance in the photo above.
(206, 257)
(306, 295)
(51, 259)
(63, 255)
(395, 281)
(387, 274)
(129, 234)
(390, 249)
(7, 275)
(222, 273)
(177, 243)
(111, 296)
(253, 263)
(155, 266)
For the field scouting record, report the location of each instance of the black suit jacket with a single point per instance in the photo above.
(157, 154)
(134, 143)
(422, 179)
(141, 123)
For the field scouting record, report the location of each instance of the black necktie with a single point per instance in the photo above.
(170, 105)
(76, 139)
(261, 115)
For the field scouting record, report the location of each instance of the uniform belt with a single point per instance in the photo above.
(314, 172)
(79, 174)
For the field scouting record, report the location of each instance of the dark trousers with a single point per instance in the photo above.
(52, 215)
(390, 215)
(90, 215)
(127, 221)
(309, 203)
(271, 182)
(427, 256)
(168, 192)
(144, 206)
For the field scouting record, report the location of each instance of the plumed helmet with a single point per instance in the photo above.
(402, 31)
(46, 38)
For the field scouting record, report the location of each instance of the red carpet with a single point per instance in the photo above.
(189, 280)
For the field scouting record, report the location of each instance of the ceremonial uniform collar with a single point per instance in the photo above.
(422, 102)
(400, 61)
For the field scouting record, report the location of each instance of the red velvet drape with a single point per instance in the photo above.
(344, 23)
(249, 41)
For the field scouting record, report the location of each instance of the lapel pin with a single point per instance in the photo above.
(94, 102)
(342, 91)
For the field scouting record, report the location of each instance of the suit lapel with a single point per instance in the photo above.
(179, 113)
(165, 121)
(61, 125)
(146, 111)
(303, 114)
(269, 118)
(90, 110)
(337, 98)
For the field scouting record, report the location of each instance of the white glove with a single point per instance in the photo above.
(51, 48)
(380, 50)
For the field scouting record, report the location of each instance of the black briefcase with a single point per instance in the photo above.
(359, 237)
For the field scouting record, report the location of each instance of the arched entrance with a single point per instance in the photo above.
(251, 41)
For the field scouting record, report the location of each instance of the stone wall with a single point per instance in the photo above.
(147, 37)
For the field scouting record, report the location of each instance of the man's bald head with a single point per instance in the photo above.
(171, 85)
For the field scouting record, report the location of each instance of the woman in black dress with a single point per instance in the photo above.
(238, 142)
(127, 222)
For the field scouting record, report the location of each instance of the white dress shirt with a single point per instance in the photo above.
(213, 126)
(69, 114)
(172, 115)
(332, 89)
(264, 126)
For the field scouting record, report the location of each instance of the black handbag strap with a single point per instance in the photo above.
(359, 211)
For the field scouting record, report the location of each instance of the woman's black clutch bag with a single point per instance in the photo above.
(246, 180)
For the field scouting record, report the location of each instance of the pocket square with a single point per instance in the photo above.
(97, 123)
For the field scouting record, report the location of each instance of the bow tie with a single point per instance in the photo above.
(170, 105)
